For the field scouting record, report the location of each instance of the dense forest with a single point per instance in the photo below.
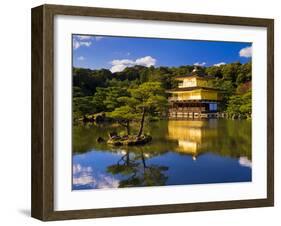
(137, 91)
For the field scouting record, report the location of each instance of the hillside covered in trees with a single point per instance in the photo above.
(119, 94)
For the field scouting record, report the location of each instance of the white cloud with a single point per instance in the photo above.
(124, 61)
(117, 68)
(88, 37)
(77, 44)
(219, 64)
(81, 58)
(246, 52)
(83, 37)
(244, 161)
(146, 61)
(84, 40)
(99, 38)
(83, 180)
(120, 65)
(77, 168)
(107, 182)
(200, 64)
(84, 175)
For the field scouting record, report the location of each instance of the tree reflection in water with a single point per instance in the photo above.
(137, 171)
(221, 148)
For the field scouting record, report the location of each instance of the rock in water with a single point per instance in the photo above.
(129, 141)
(100, 140)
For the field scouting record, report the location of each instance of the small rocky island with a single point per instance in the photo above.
(128, 140)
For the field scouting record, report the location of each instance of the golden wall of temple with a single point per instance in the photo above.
(199, 94)
(193, 82)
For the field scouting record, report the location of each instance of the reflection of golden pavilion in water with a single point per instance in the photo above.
(193, 136)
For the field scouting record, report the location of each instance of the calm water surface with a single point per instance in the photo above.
(181, 152)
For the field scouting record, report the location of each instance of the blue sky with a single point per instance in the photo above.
(116, 53)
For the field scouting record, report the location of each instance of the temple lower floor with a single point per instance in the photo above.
(193, 109)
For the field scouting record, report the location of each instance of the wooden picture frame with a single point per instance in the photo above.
(43, 112)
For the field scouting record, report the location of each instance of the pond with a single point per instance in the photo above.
(180, 153)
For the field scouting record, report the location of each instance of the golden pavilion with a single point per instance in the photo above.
(194, 98)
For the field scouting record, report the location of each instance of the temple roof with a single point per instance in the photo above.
(192, 88)
(195, 73)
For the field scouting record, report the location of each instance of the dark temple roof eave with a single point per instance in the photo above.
(193, 88)
(198, 75)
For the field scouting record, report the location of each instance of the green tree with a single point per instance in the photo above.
(144, 75)
(233, 108)
(98, 100)
(241, 78)
(97, 91)
(77, 92)
(148, 98)
(82, 106)
(112, 95)
(214, 71)
(246, 107)
(143, 100)
(240, 105)
(123, 115)
(230, 71)
(88, 80)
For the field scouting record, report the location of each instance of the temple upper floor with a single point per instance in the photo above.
(194, 79)
(192, 82)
